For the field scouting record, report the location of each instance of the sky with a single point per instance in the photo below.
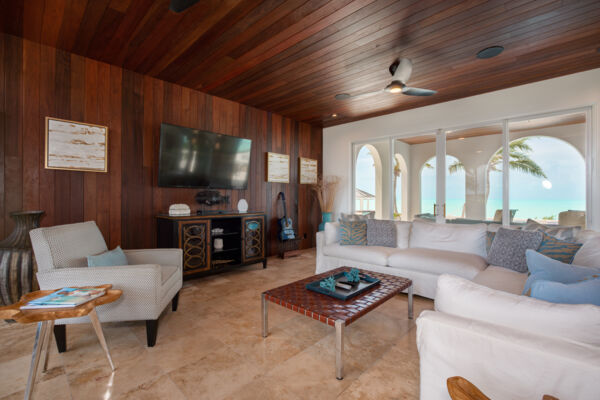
(531, 196)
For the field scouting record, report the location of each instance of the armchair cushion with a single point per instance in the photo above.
(108, 258)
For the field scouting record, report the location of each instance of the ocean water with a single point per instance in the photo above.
(534, 209)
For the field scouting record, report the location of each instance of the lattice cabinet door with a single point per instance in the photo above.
(194, 240)
(253, 239)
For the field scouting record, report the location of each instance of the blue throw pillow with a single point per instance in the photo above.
(560, 250)
(547, 269)
(586, 292)
(108, 259)
(353, 233)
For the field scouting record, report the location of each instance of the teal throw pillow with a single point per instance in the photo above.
(544, 268)
(586, 292)
(108, 259)
(353, 233)
(560, 250)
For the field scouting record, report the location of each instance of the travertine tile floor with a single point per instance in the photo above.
(211, 348)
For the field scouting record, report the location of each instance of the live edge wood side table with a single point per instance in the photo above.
(45, 318)
(334, 312)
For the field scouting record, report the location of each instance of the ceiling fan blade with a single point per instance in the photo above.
(403, 71)
(181, 5)
(346, 96)
(417, 92)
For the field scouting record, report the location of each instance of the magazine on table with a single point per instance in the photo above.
(65, 298)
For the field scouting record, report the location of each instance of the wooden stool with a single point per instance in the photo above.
(461, 389)
(45, 318)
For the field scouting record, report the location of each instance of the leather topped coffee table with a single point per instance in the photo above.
(334, 312)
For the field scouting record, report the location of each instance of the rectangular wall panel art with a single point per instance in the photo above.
(76, 146)
(278, 168)
(308, 170)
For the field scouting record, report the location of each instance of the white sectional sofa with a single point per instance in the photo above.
(510, 346)
(423, 252)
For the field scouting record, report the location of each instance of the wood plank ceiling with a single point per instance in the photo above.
(291, 57)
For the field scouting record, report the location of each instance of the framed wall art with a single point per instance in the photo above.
(308, 170)
(278, 168)
(76, 146)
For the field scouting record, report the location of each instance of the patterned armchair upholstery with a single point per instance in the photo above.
(152, 280)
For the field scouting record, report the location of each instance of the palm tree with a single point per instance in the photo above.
(518, 160)
(397, 173)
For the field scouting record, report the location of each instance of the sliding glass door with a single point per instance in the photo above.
(474, 174)
(548, 169)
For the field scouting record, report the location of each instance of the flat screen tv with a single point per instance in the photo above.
(191, 158)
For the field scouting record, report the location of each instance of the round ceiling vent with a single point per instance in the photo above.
(490, 52)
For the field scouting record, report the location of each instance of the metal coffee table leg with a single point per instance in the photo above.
(339, 349)
(410, 302)
(265, 320)
(40, 337)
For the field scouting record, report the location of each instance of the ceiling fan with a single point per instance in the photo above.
(179, 6)
(400, 70)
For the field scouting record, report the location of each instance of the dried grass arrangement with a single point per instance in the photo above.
(326, 189)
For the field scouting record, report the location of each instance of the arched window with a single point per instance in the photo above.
(368, 180)
(547, 177)
(455, 187)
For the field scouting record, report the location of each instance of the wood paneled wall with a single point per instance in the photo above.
(38, 81)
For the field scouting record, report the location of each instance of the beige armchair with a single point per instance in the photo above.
(152, 280)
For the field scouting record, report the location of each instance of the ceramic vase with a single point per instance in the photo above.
(325, 217)
(242, 206)
(17, 265)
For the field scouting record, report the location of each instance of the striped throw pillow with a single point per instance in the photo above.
(560, 250)
(353, 233)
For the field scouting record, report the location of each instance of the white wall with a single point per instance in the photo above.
(567, 92)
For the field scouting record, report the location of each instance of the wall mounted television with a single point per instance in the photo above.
(192, 158)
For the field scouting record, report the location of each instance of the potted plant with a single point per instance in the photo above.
(326, 189)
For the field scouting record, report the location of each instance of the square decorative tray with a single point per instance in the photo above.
(366, 283)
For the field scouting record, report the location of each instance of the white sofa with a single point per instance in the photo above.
(423, 252)
(509, 346)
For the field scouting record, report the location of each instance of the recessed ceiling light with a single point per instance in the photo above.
(490, 52)
(461, 138)
(342, 96)
(334, 115)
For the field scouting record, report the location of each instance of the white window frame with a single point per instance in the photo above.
(592, 150)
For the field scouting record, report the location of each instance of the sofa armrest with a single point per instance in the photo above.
(141, 284)
(503, 362)
(155, 256)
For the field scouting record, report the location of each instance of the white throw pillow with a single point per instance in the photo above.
(589, 254)
(461, 297)
(402, 234)
(332, 232)
(452, 237)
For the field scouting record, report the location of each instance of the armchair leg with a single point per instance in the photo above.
(60, 334)
(175, 302)
(151, 331)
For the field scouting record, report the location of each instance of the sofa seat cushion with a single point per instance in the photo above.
(166, 271)
(438, 262)
(367, 254)
(501, 278)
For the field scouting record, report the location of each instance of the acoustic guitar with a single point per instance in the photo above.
(286, 229)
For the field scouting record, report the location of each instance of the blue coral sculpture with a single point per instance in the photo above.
(352, 276)
(328, 283)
